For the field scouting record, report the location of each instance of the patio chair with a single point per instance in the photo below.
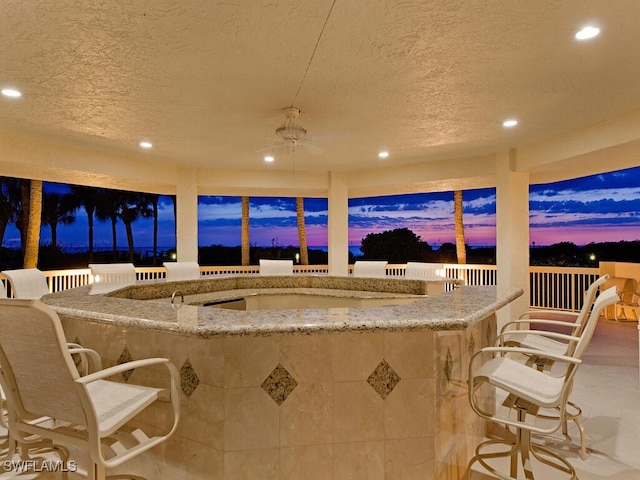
(276, 267)
(626, 288)
(556, 343)
(424, 271)
(370, 268)
(177, 271)
(27, 283)
(47, 398)
(530, 393)
(512, 335)
(120, 273)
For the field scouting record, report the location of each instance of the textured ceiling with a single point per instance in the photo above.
(206, 81)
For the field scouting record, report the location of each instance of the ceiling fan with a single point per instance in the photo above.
(293, 134)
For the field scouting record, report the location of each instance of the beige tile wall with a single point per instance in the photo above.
(333, 425)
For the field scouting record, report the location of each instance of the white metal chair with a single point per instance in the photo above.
(512, 335)
(370, 268)
(555, 343)
(529, 394)
(276, 267)
(27, 283)
(422, 271)
(47, 398)
(177, 271)
(120, 273)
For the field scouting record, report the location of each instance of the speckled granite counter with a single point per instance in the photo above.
(328, 393)
(133, 306)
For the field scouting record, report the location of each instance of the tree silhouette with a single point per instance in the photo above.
(134, 206)
(153, 199)
(108, 208)
(9, 198)
(58, 208)
(87, 197)
(396, 246)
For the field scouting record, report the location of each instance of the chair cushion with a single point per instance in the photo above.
(537, 342)
(116, 402)
(525, 382)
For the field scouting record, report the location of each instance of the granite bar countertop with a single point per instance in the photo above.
(455, 310)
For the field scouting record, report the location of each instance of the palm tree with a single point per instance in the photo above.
(58, 208)
(302, 231)
(87, 197)
(461, 251)
(22, 196)
(153, 199)
(108, 208)
(245, 231)
(8, 188)
(134, 206)
(33, 225)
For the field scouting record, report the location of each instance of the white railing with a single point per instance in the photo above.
(559, 288)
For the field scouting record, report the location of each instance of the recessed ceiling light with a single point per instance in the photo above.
(11, 92)
(269, 158)
(510, 123)
(383, 154)
(146, 144)
(587, 32)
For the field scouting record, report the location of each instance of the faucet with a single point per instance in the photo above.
(173, 296)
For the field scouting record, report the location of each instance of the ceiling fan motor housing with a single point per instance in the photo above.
(290, 131)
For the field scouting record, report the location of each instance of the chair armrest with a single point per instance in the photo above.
(123, 367)
(538, 321)
(542, 333)
(527, 351)
(549, 312)
(87, 353)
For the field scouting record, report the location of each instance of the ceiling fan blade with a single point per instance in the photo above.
(312, 149)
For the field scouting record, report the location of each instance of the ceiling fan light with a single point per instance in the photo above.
(291, 132)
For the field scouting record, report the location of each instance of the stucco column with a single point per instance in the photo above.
(512, 242)
(187, 215)
(338, 225)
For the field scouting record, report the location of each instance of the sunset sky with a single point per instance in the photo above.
(598, 208)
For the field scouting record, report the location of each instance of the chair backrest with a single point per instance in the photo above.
(370, 268)
(626, 287)
(606, 298)
(124, 273)
(27, 283)
(588, 301)
(177, 271)
(276, 267)
(422, 271)
(37, 369)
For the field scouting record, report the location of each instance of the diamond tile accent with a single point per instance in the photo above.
(448, 365)
(189, 380)
(279, 384)
(383, 379)
(125, 357)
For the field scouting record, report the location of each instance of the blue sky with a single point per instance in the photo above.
(597, 208)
